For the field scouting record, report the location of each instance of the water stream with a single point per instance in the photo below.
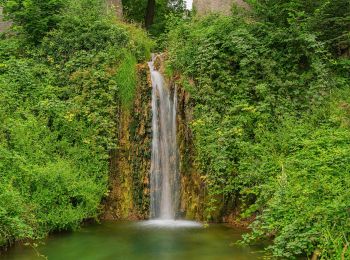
(164, 169)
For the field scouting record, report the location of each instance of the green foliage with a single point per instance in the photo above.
(16, 220)
(271, 126)
(331, 21)
(126, 79)
(299, 175)
(58, 107)
(328, 20)
(34, 17)
(135, 11)
(50, 170)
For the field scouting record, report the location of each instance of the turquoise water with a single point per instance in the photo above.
(117, 240)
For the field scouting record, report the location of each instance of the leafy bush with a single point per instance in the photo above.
(34, 18)
(328, 20)
(270, 127)
(16, 220)
(298, 173)
(58, 106)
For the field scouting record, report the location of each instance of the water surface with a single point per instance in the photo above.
(117, 240)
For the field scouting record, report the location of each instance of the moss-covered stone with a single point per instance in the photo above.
(130, 162)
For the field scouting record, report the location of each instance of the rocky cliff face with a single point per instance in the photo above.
(4, 26)
(203, 7)
(130, 163)
(193, 189)
(117, 6)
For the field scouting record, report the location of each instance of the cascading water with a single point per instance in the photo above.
(164, 184)
(164, 173)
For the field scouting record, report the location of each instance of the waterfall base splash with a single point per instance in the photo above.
(169, 223)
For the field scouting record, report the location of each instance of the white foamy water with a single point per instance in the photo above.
(169, 223)
(188, 4)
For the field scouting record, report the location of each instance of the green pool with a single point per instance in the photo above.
(140, 240)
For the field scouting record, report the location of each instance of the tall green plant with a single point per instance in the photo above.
(34, 18)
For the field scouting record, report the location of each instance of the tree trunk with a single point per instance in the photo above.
(151, 8)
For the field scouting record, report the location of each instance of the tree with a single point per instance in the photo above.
(150, 12)
(34, 17)
(328, 20)
(332, 24)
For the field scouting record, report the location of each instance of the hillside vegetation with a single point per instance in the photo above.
(63, 75)
(271, 99)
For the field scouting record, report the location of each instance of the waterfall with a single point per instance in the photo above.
(164, 173)
(165, 176)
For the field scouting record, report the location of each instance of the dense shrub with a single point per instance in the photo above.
(298, 174)
(58, 104)
(270, 127)
(34, 18)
